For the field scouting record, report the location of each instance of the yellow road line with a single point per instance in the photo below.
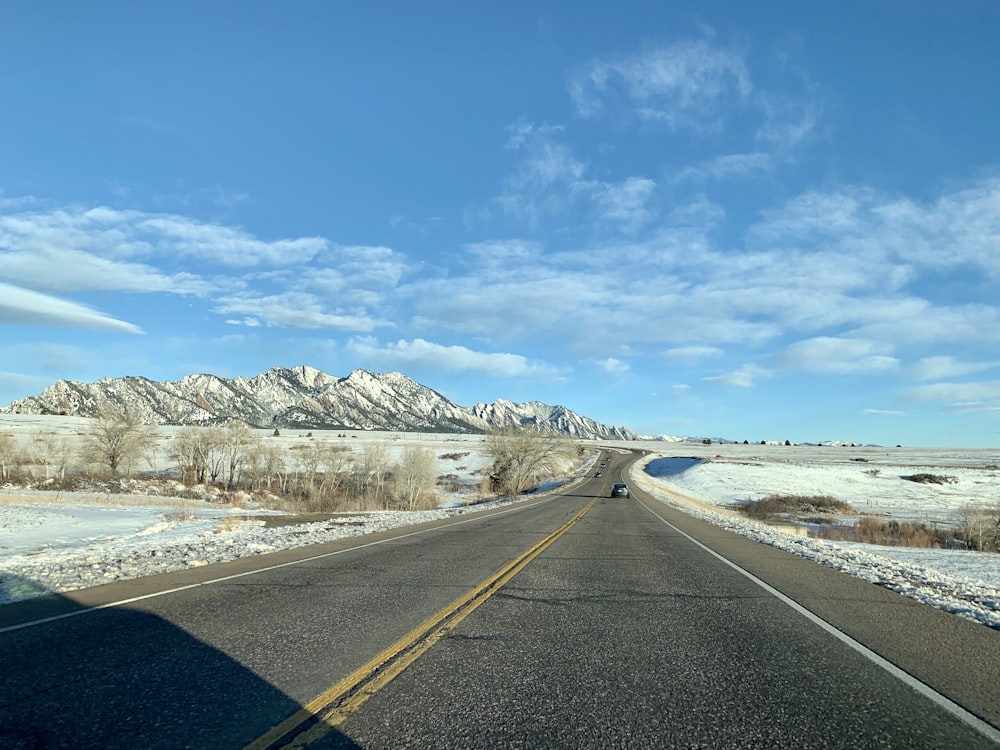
(332, 707)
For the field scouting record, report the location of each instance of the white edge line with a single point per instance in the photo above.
(165, 592)
(969, 718)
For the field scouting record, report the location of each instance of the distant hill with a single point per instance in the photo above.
(306, 398)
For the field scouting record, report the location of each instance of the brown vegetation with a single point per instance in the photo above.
(221, 463)
(795, 507)
(891, 533)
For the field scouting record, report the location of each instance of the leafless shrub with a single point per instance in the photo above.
(979, 526)
(522, 457)
(788, 506)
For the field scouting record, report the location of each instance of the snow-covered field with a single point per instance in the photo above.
(60, 542)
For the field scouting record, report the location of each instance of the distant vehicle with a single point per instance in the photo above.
(619, 490)
(598, 474)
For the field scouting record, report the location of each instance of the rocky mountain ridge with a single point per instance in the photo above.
(303, 397)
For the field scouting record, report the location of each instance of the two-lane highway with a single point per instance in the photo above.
(588, 622)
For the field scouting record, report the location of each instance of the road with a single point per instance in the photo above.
(576, 621)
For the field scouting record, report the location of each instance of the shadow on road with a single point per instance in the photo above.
(121, 678)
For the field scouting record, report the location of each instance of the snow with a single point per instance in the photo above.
(961, 582)
(62, 542)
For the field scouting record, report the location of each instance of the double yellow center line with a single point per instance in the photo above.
(332, 707)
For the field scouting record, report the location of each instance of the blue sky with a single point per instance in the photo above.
(760, 221)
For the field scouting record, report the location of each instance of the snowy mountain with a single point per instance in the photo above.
(304, 397)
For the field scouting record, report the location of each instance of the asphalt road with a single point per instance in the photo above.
(627, 630)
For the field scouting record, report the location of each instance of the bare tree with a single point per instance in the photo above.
(117, 441)
(368, 476)
(413, 478)
(979, 526)
(236, 439)
(48, 450)
(522, 457)
(264, 463)
(8, 455)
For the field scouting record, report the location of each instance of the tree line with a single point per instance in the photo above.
(313, 476)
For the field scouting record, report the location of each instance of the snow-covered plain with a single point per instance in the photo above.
(61, 542)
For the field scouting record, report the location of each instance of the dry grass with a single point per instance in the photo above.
(795, 507)
(871, 530)
(229, 523)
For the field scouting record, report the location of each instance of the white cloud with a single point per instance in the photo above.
(24, 307)
(354, 275)
(296, 310)
(228, 246)
(885, 412)
(985, 393)
(975, 406)
(625, 203)
(495, 254)
(946, 366)
(426, 354)
(100, 248)
(686, 85)
(959, 229)
(613, 366)
(837, 356)
(788, 122)
(540, 181)
(742, 377)
(692, 353)
(64, 269)
(726, 167)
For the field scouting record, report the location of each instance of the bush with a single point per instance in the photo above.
(784, 506)
(979, 527)
(930, 479)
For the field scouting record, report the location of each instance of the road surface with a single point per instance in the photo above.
(572, 621)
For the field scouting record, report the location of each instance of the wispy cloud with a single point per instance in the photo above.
(946, 366)
(296, 310)
(692, 353)
(102, 248)
(742, 377)
(960, 228)
(613, 366)
(788, 122)
(24, 307)
(545, 170)
(837, 356)
(725, 167)
(626, 203)
(976, 396)
(686, 85)
(421, 353)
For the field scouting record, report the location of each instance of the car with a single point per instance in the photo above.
(599, 474)
(620, 489)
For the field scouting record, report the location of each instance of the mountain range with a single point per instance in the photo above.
(303, 397)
